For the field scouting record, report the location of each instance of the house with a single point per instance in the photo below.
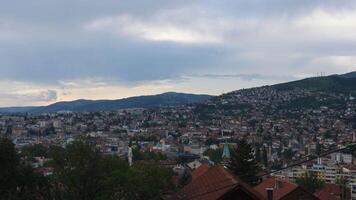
(216, 184)
(329, 192)
(194, 164)
(283, 190)
(324, 195)
(202, 169)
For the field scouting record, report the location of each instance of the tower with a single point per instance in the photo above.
(226, 151)
(129, 156)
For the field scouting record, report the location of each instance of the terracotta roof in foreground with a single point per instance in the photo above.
(212, 185)
(202, 169)
(284, 188)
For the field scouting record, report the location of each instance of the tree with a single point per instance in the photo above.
(9, 162)
(243, 163)
(149, 181)
(32, 186)
(310, 182)
(139, 155)
(342, 182)
(319, 148)
(258, 154)
(288, 154)
(36, 150)
(185, 178)
(82, 172)
(76, 171)
(214, 154)
(264, 157)
(17, 180)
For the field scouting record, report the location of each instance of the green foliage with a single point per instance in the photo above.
(243, 163)
(18, 181)
(264, 157)
(80, 172)
(287, 154)
(342, 182)
(77, 169)
(149, 181)
(84, 173)
(36, 150)
(258, 155)
(139, 155)
(214, 155)
(30, 185)
(310, 182)
(329, 83)
(9, 162)
(185, 178)
(211, 141)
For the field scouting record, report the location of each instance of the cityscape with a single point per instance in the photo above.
(284, 124)
(177, 100)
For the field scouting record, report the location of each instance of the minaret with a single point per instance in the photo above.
(226, 151)
(129, 156)
(226, 155)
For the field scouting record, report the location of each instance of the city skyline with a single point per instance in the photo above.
(66, 50)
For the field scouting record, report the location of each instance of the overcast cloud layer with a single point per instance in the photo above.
(62, 50)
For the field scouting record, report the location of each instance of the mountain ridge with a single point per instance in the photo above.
(343, 83)
(85, 105)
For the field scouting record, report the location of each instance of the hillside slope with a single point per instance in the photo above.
(150, 101)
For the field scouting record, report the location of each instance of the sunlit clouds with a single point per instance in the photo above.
(65, 50)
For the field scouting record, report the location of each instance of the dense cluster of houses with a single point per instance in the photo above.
(283, 126)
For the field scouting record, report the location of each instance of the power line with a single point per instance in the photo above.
(309, 158)
(293, 165)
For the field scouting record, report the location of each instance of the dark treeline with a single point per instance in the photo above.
(80, 172)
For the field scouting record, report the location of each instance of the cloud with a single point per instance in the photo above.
(118, 47)
(155, 31)
(38, 96)
(30, 97)
(248, 77)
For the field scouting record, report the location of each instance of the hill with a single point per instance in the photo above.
(335, 83)
(296, 99)
(82, 105)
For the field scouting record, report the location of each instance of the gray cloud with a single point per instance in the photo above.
(249, 77)
(30, 96)
(48, 42)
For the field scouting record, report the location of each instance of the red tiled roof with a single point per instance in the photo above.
(167, 162)
(332, 189)
(284, 187)
(324, 195)
(202, 169)
(211, 185)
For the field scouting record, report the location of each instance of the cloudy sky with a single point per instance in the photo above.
(55, 50)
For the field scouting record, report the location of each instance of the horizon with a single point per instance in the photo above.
(177, 99)
(56, 51)
(179, 92)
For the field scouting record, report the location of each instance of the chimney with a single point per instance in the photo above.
(269, 193)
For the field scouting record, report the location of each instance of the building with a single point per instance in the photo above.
(283, 190)
(329, 192)
(217, 184)
(226, 151)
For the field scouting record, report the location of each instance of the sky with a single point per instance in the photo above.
(61, 50)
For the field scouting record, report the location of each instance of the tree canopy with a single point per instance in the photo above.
(81, 172)
(243, 163)
(17, 180)
(310, 182)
